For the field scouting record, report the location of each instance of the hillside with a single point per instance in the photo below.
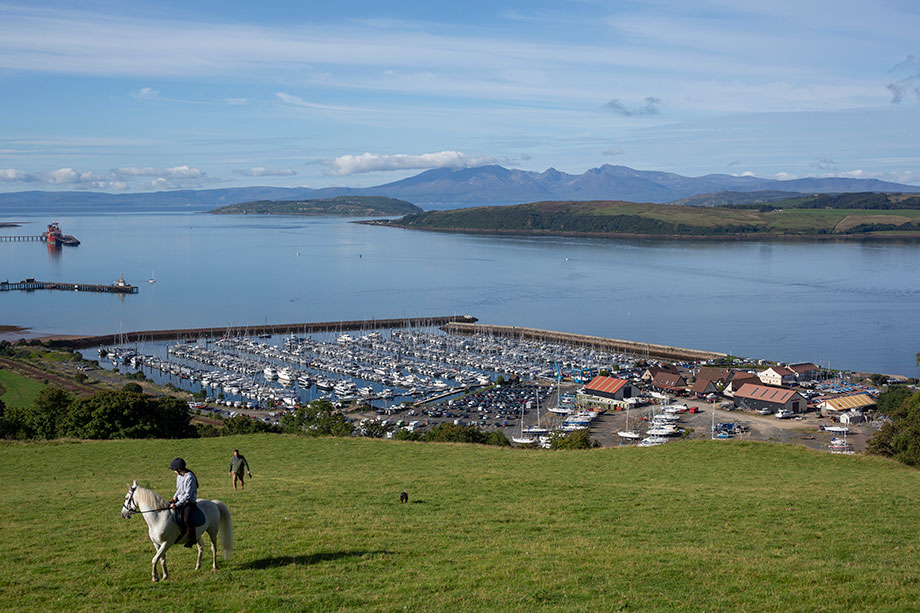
(714, 525)
(799, 217)
(353, 206)
(442, 188)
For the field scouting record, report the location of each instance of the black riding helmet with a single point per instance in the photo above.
(177, 464)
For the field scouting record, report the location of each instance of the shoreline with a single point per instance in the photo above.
(740, 237)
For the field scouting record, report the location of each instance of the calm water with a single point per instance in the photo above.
(844, 305)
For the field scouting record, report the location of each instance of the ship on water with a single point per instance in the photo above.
(54, 236)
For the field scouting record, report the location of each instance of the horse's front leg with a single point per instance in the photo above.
(160, 555)
(163, 565)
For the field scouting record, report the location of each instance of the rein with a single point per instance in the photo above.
(136, 509)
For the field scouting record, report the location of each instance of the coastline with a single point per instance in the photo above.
(912, 237)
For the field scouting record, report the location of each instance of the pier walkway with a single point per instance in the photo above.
(20, 239)
(613, 345)
(31, 285)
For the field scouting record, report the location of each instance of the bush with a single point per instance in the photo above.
(240, 424)
(319, 418)
(207, 431)
(576, 439)
(132, 388)
(407, 435)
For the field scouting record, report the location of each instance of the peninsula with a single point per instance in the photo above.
(857, 215)
(343, 206)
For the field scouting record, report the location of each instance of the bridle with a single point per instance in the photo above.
(133, 508)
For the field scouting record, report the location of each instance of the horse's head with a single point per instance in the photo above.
(129, 507)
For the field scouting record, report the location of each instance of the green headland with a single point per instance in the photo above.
(345, 206)
(830, 215)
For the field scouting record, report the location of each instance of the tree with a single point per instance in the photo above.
(121, 414)
(132, 387)
(899, 438)
(48, 412)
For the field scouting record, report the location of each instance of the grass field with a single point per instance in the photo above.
(18, 391)
(691, 526)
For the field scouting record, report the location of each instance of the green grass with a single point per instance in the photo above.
(688, 526)
(19, 391)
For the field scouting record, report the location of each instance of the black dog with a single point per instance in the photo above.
(404, 497)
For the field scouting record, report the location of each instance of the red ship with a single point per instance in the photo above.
(54, 236)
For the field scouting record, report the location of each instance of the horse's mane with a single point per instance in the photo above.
(150, 498)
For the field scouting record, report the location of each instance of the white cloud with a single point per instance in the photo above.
(145, 93)
(11, 175)
(614, 151)
(374, 162)
(236, 101)
(259, 171)
(176, 172)
(785, 176)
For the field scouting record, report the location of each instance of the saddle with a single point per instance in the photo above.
(198, 520)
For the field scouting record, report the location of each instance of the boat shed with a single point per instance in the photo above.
(606, 392)
(842, 404)
(756, 397)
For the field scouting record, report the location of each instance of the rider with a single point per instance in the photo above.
(184, 500)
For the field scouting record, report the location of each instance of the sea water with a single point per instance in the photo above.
(847, 305)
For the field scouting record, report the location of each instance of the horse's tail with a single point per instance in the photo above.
(226, 529)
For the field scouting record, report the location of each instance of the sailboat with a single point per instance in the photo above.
(152, 279)
(626, 433)
(538, 429)
(527, 438)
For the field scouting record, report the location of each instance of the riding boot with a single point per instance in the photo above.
(191, 538)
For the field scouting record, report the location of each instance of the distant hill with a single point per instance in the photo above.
(861, 215)
(444, 188)
(352, 206)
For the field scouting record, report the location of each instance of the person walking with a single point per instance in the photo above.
(237, 463)
(185, 500)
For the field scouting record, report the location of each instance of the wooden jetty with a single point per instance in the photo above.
(20, 239)
(29, 285)
(253, 330)
(613, 345)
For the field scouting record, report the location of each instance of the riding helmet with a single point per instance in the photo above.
(177, 464)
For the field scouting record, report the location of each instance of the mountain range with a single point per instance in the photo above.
(445, 188)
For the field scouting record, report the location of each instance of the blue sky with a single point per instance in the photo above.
(139, 96)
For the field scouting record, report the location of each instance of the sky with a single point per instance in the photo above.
(124, 96)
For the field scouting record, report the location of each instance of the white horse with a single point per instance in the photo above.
(164, 530)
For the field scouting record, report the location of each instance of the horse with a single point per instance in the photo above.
(164, 530)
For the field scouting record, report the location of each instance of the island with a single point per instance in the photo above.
(342, 206)
(852, 215)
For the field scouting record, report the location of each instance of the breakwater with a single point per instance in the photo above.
(252, 330)
(613, 345)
